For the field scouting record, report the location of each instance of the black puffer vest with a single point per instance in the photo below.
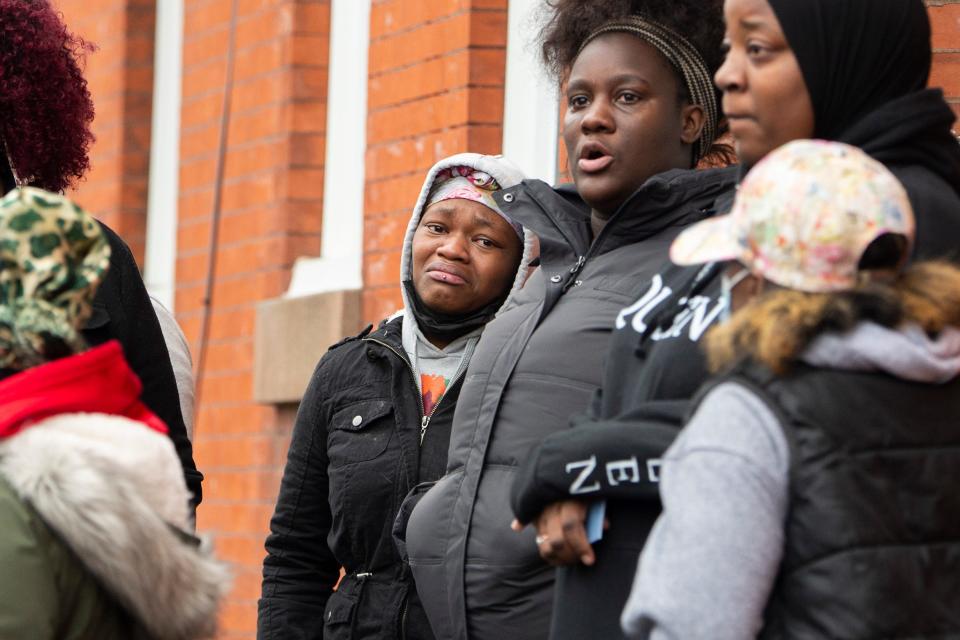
(872, 547)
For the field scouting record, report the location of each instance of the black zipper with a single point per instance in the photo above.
(424, 417)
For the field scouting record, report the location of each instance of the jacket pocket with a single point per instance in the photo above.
(338, 623)
(359, 432)
(403, 516)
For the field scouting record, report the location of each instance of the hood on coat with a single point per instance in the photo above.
(907, 353)
(506, 175)
(113, 490)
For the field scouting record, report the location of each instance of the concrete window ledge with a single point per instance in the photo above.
(291, 336)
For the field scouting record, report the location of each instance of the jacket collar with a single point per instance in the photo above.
(95, 381)
(562, 220)
(390, 331)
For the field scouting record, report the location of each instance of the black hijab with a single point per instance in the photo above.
(856, 55)
(866, 64)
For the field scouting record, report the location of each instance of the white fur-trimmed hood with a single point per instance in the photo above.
(113, 490)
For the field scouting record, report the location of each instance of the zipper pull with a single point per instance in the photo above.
(574, 272)
(580, 262)
(423, 427)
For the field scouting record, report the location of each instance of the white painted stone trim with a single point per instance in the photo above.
(531, 102)
(340, 265)
(164, 189)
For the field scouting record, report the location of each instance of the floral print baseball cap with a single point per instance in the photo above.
(803, 218)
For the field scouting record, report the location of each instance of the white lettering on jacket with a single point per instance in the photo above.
(698, 314)
(620, 471)
(653, 469)
(586, 467)
(642, 307)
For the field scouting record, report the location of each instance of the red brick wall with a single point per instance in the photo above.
(436, 88)
(945, 16)
(271, 214)
(120, 75)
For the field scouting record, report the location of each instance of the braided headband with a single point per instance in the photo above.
(684, 57)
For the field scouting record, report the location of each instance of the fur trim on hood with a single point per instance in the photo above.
(112, 489)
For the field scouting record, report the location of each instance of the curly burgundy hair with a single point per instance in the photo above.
(45, 105)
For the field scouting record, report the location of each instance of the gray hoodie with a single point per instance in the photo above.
(711, 561)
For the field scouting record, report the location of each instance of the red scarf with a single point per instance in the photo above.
(95, 381)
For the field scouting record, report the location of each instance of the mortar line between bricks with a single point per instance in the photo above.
(403, 103)
(387, 35)
(420, 134)
(241, 20)
(446, 54)
(279, 235)
(434, 20)
(283, 69)
(428, 96)
(204, 219)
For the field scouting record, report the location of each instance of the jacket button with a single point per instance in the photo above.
(357, 420)
(508, 198)
(556, 279)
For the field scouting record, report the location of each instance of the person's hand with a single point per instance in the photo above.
(561, 535)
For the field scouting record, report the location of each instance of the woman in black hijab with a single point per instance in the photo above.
(855, 71)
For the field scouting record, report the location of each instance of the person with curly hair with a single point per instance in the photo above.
(641, 115)
(776, 88)
(46, 112)
(813, 491)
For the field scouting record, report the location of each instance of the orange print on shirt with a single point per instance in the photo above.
(433, 388)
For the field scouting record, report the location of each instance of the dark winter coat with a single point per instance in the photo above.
(354, 455)
(122, 311)
(536, 364)
(94, 512)
(655, 366)
(872, 537)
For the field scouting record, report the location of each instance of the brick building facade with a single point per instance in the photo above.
(304, 244)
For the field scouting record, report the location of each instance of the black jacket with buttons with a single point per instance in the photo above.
(355, 453)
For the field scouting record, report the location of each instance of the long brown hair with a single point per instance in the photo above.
(774, 329)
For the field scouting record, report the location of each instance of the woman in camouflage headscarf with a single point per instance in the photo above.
(52, 258)
(95, 517)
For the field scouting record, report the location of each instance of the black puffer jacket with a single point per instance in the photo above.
(536, 364)
(655, 366)
(354, 455)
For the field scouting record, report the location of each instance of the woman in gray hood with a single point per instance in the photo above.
(375, 419)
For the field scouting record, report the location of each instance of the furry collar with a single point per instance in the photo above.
(111, 487)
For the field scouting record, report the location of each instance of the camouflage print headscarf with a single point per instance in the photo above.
(53, 256)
